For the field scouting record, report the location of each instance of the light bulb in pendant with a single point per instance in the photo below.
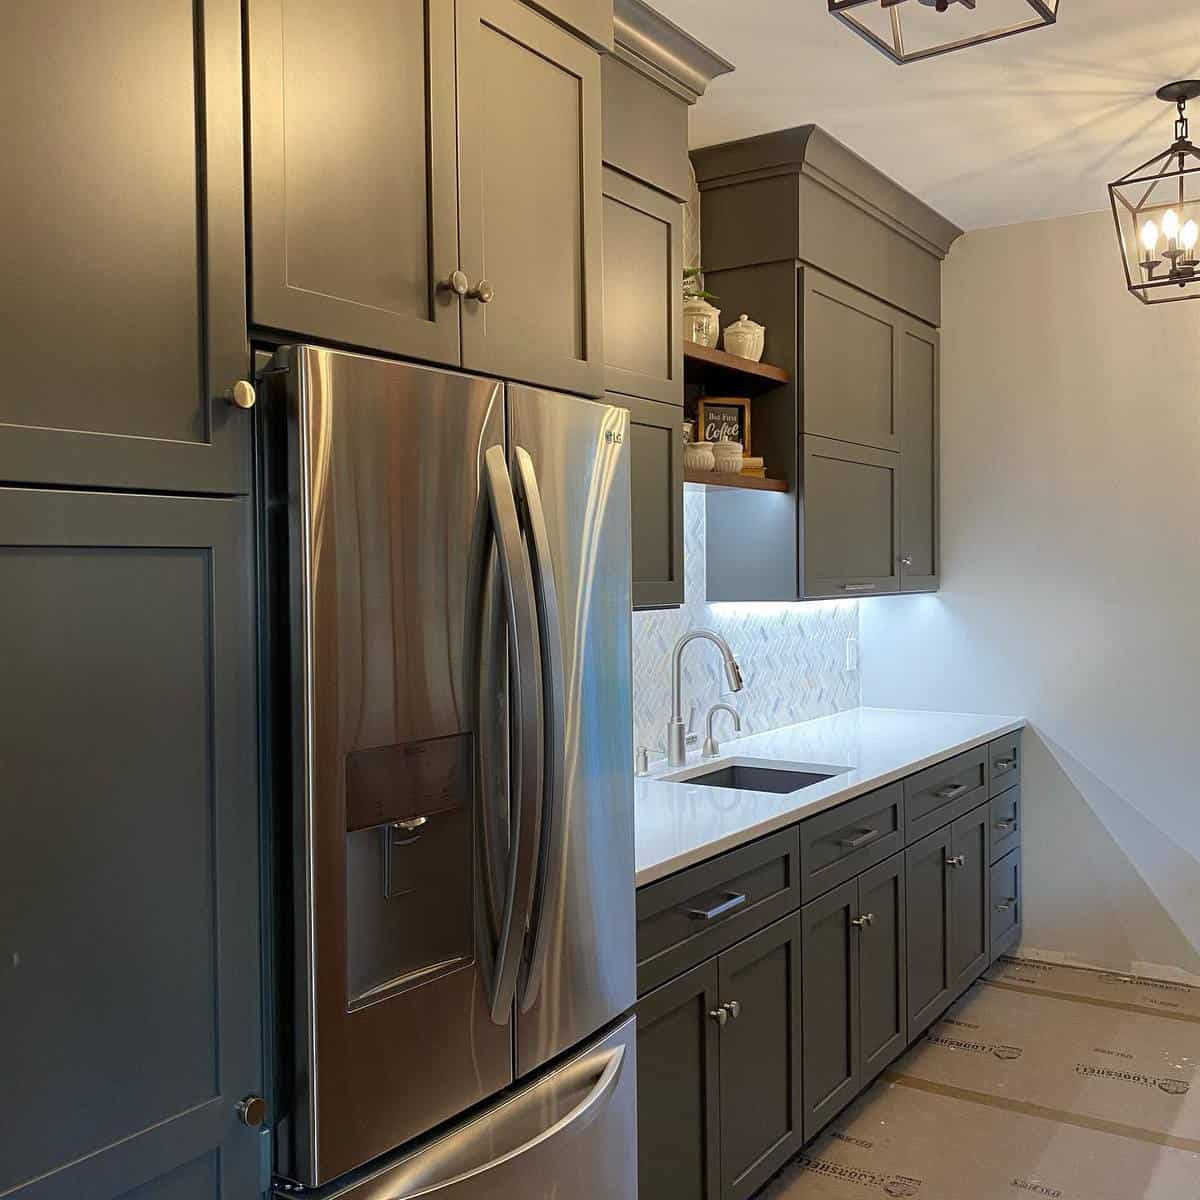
(1150, 238)
(1191, 231)
(1170, 226)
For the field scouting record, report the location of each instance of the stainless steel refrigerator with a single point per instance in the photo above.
(461, 812)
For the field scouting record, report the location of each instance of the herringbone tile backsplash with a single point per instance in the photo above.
(792, 656)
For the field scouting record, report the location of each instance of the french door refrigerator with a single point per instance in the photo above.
(461, 813)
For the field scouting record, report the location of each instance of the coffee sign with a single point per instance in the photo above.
(725, 420)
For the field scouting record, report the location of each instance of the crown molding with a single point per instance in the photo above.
(649, 43)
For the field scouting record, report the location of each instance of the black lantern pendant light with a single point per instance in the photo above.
(909, 30)
(1157, 211)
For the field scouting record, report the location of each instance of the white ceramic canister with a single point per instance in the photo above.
(745, 338)
(728, 457)
(698, 456)
(701, 322)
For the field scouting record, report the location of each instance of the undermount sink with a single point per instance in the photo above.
(755, 777)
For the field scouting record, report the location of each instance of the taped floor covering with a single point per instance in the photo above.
(1044, 1080)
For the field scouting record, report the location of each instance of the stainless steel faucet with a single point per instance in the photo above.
(676, 733)
(711, 746)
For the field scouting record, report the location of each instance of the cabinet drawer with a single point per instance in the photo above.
(838, 844)
(1005, 822)
(1004, 763)
(943, 793)
(685, 918)
(1006, 903)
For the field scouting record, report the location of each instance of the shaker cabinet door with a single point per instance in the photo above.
(130, 922)
(643, 302)
(122, 274)
(883, 974)
(353, 179)
(530, 198)
(927, 889)
(656, 484)
(832, 1045)
(850, 513)
(761, 1113)
(919, 523)
(678, 1049)
(970, 891)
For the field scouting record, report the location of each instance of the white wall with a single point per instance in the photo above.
(1071, 579)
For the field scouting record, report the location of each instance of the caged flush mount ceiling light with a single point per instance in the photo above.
(910, 30)
(1157, 211)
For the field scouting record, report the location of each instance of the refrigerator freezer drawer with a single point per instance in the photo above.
(572, 1133)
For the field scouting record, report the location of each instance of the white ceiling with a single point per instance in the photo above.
(1029, 127)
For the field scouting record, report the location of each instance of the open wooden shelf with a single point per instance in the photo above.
(722, 479)
(731, 371)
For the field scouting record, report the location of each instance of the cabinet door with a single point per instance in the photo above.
(122, 274)
(130, 924)
(883, 969)
(678, 1051)
(969, 897)
(530, 197)
(1005, 885)
(656, 484)
(927, 888)
(831, 1002)
(761, 1116)
(850, 352)
(850, 519)
(919, 522)
(354, 211)
(643, 300)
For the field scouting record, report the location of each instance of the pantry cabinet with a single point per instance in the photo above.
(490, 256)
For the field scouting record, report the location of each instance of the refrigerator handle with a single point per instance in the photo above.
(448, 1166)
(550, 862)
(526, 683)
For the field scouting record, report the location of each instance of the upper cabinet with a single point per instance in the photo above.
(444, 203)
(123, 276)
(844, 268)
(653, 74)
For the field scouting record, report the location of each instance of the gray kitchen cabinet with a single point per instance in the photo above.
(855, 986)
(123, 277)
(678, 1051)
(850, 349)
(832, 980)
(850, 519)
(918, 373)
(130, 855)
(656, 485)
(530, 203)
(761, 1110)
(1006, 903)
(970, 893)
(353, 174)
(643, 300)
(469, 143)
(927, 888)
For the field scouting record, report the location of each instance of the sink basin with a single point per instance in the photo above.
(753, 777)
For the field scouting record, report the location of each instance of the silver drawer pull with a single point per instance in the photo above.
(1004, 764)
(1007, 904)
(858, 587)
(959, 860)
(860, 839)
(863, 921)
(410, 823)
(1006, 826)
(732, 900)
(948, 793)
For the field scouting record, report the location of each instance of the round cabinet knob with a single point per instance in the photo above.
(252, 1111)
(457, 283)
(483, 292)
(733, 1008)
(720, 1015)
(959, 860)
(242, 394)
(863, 921)
(906, 561)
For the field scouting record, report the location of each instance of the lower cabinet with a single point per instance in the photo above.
(1006, 903)
(947, 879)
(854, 988)
(719, 1088)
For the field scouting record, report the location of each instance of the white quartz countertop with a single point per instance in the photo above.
(682, 823)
